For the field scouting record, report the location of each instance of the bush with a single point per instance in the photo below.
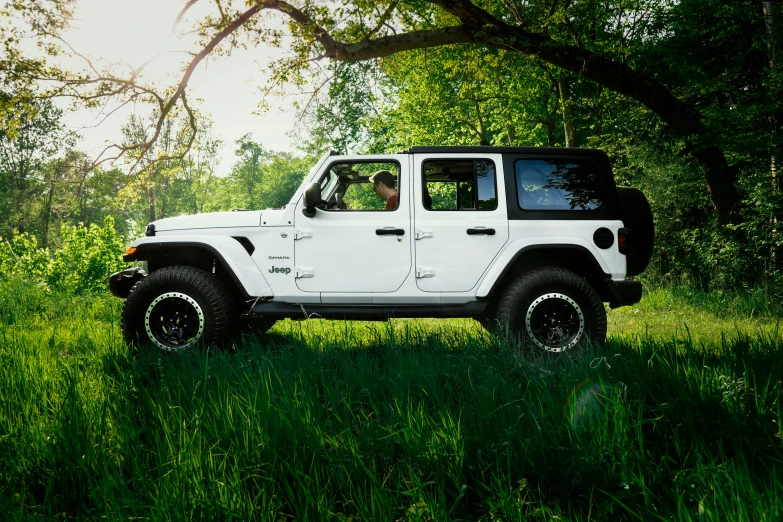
(89, 254)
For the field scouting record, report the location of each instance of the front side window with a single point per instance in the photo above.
(553, 184)
(361, 186)
(459, 185)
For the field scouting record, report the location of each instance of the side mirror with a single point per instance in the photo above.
(312, 199)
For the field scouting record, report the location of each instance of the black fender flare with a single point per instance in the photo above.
(143, 252)
(595, 266)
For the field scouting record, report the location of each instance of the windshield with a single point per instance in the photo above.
(328, 183)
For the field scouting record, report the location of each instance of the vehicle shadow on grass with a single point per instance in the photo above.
(406, 412)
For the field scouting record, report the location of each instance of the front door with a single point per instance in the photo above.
(461, 221)
(354, 244)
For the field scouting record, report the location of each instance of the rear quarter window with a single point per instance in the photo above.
(558, 184)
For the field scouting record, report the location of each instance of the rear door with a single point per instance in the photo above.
(460, 218)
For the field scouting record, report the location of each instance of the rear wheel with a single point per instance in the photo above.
(551, 309)
(175, 308)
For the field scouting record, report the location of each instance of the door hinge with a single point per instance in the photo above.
(301, 234)
(423, 272)
(421, 234)
(304, 273)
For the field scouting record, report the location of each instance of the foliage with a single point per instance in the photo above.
(469, 96)
(714, 56)
(88, 255)
(472, 95)
(259, 179)
(37, 135)
(22, 21)
(407, 420)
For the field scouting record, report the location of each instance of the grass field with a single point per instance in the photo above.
(676, 417)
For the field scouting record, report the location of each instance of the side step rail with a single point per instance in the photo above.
(278, 310)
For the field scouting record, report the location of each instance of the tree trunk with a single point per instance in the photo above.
(771, 9)
(20, 196)
(164, 198)
(81, 196)
(47, 215)
(599, 118)
(550, 133)
(482, 130)
(567, 106)
(151, 203)
(512, 134)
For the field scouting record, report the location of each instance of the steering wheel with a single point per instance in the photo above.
(340, 202)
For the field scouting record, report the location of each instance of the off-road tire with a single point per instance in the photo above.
(190, 288)
(637, 215)
(551, 302)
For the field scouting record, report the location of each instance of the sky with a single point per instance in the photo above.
(129, 33)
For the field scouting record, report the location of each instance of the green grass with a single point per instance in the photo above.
(407, 420)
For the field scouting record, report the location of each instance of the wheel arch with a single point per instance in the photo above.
(229, 262)
(575, 258)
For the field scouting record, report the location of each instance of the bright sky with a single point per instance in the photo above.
(132, 32)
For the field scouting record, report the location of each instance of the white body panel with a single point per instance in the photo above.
(350, 264)
(340, 251)
(447, 258)
(241, 218)
(523, 234)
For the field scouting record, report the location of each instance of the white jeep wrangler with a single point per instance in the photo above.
(529, 241)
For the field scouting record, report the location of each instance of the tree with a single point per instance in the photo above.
(462, 96)
(35, 135)
(22, 20)
(247, 171)
(543, 29)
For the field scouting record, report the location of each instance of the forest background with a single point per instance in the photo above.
(676, 417)
(719, 59)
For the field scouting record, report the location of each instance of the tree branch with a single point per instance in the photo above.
(182, 14)
(478, 26)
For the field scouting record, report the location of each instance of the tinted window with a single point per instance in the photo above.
(571, 184)
(459, 185)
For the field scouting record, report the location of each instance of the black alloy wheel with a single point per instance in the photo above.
(175, 308)
(174, 321)
(551, 309)
(554, 322)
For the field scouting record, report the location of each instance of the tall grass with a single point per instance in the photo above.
(407, 420)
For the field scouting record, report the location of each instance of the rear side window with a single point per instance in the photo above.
(553, 184)
(459, 184)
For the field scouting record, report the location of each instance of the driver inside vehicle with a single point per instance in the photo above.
(383, 186)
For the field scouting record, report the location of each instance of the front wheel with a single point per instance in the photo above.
(552, 309)
(177, 307)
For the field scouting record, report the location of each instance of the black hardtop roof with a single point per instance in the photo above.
(500, 150)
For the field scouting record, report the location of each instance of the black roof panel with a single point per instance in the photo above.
(500, 150)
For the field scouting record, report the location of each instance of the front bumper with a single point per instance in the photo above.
(623, 293)
(120, 283)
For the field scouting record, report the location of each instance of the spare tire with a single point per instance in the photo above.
(637, 215)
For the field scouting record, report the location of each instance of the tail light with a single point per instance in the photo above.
(624, 240)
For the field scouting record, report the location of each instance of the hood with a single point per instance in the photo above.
(243, 218)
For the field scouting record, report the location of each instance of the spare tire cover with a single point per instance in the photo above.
(637, 215)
